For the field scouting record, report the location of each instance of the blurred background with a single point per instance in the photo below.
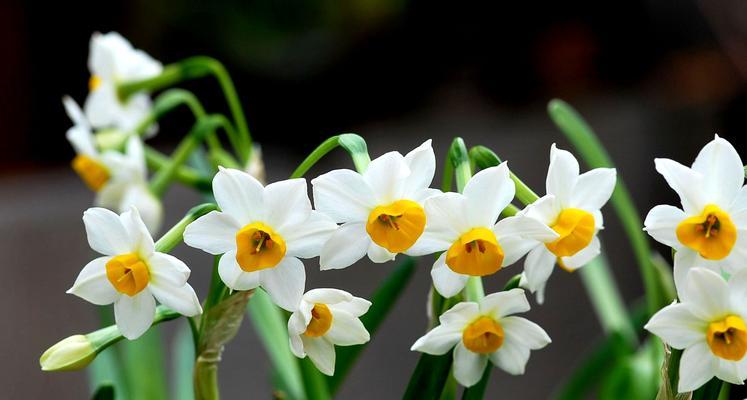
(653, 77)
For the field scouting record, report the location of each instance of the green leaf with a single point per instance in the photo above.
(270, 324)
(182, 363)
(313, 380)
(429, 377)
(383, 301)
(106, 370)
(144, 366)
(634, 376)
(669, 372)
(477, 392)
(104, 392)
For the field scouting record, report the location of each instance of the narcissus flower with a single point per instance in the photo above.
(131, 273)
(572, 209)
(325, 318)
(709, 324)
(485, 331)
(711, 228)
(113, 60)
(119, 180)
(381, 210)
(261, 232)
(465, 226)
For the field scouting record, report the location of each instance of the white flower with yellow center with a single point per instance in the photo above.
(261, 232)
(571, 208)
(485, 331)
(325, 318)
(131, 273)
(709, 325)
(113, 60)
(119, 180)
(711, 228)
(464, 227)
(381, 210)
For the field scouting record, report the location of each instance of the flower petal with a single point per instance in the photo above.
(697, 366)
(355, 306)
(738, 291)
(584, 256)
(239, 195)
(181, 299)
(285, 282)
(538, 267)
(488, 192)
(166, 269)
(148, 205)
(677, 326)
(501, 304)
(447, 282)
(137, 232)
(685, 182)
(594, 188)
(379, 254)
(468, 366)
(214, 233)
(545, 209)
(321, 352)
(92, 285)
(134, 315)
(722, 170)
(562, 175)
(422, 164)
(460, 315)
(706, 294)
(661, 223)
(347, 330)
(105, 232)
(287, 203)
(525, 332)
(438, 340)
(515, 247)
(530, 228)
(343, 195)
(446, 221)
(386, 177)
(347, 245)
(233, 276)
(511, 357)
(305, 240)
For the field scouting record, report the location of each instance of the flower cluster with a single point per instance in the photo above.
(709, 238)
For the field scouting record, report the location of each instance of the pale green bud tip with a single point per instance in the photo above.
(69, 354)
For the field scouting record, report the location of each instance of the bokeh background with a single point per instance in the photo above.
(653, 77)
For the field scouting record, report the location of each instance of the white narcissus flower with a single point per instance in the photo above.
(119, 180)
(112, 60)
(325, 318)
(131, 273)
(261, 233)
(485, 331)
(711, 228)
(381, 210)
(709, 325)
(572, 209)
(465, 226)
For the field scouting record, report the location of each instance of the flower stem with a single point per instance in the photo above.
(352, 143)
(175, 235)
(185, 175)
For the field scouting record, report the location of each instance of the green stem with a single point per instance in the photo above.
(206, 382)
(314, 381)
(184, 175)
(324, 148)
(192, 68)
(175, 235)
(352, 143)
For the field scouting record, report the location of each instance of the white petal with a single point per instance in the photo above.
(468, 366)
(386, 177)
(239, 194)
(728, 371)
(134, 315)
(327, 296)
(530, 228)
(661, 223)
(214, 233)
(515, 247)
(738, 291)
(75, 113)
(446, 221)
(81, 138)
(105, 232)
(181, 299)
(422, 164)
(347, 245)
(102, 106)
(287, 203)
(379, 254)
(148, 205)
(594, 188)
(706, 293)
(562, 175)
(511, 357)
(487, 194)
(137, 231)
(584, 256)
(136, 154)
(684, 260)
(355, 306)
(697, 366)
(430, 242)
(343, 195)
(538, 267)
(738, 209)
(501, 304)
(296, 327)
(233, 276)
(460, 315)
(92, 284)
(347, 330)
(285, 282)
(438, 340)
(447, 282)
(677, 326)
(722, 170)
(545, 209)
(306, 239)
(525, 332)
(686, 182)
(321, 352)
(166, 269)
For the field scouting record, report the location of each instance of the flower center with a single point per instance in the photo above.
(712, 234)
(727, 338)
(321, 321)
(397, 226)
(258, 247)
(94, 82)
(483, 336)
(475, 253)
(128, 273)
(94, 174)
(576, 229)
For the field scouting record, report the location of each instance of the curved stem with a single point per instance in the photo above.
(184, 174)
(352, 143)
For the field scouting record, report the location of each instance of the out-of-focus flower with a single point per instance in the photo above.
(711, 228)
(381, 210)
(465, 225)
(572, 209)
(485, 331)
(113, 60)
(709, 324)
(325, 318)
(261, 232)
(131, 273)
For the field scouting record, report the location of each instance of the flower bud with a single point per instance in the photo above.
(69, 354)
